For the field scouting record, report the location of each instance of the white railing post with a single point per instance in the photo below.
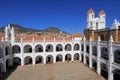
(98, 56)
(84, 54)
(110, 59)
(90, 53)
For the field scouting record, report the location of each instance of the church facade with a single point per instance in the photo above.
(96, 26)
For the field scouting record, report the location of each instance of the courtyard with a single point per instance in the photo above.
(56, 71)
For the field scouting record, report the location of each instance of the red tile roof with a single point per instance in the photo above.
(91, 10)
(102, 12)
(77, 35)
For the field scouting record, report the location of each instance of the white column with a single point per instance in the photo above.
(72, 49)
(22, 54)
(33, 51)
(84, 54)
(63, 50)
(90, 53)
(80, 51)
(54, 51)
(4, 66)
(4, 61)
(110, 60)
(63, 58)
(98, 56)
(72, 57)
(54, 58)
(44, 51)
(44, 59)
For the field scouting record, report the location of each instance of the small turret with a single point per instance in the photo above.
(90, 14)
(6, 33)
(115, 24)
(102, 15)
(12, 35)
(102, 19)
(90, 18)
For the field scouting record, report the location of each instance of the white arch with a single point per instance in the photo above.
(104, 52)
(49, 59)
(38, 48)
(59, 57)
(117, 56)
(82, 47)
(16, 49)
(76, 56)
(16, 61)
(59, 47)
(39, 59)
(28, 60)
(68, 56)
(49, 48)
(27, 49)
(76, 47)
(94, 50)
(1, 52)
(87, 48)
(68, 47)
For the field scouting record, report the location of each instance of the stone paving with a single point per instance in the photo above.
(57, 71)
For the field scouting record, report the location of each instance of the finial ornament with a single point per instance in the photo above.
(84, 38)
(90, 38)
(99, 38)
(111, 38)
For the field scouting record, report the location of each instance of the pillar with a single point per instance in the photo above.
(44, 59)
(72, 57)
(4, 66)
(80, 52)
(33, 51)
(110, 60)
(98, 56)
(22, 54)
(54, 59)
(4, 61)
(63, 50)
(72, 49)
(63, 58)
(90, 53)
(84, 54)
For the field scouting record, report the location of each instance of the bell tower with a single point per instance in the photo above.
(90, 18)
(102, 19)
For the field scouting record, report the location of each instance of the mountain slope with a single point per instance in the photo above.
(20, 29)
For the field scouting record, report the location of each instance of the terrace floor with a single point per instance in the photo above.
(56, 71)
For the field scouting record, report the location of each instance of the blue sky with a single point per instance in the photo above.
(67, 15)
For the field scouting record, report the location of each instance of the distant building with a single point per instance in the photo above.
(96, 26)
